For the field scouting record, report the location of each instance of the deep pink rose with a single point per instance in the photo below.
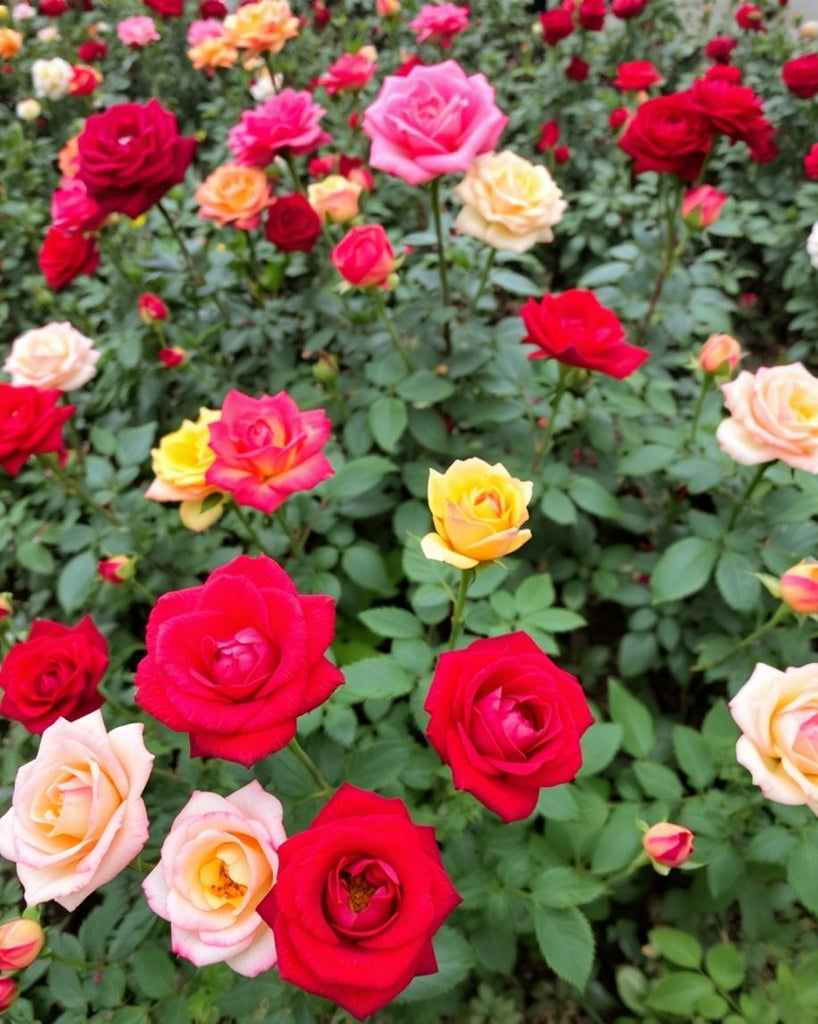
(635, 75)
(439, 23)
(235, 661)
(811, 163)
(73, 210)
(350, 73)
(286, 122)
(434, 121)
(719, 48)
(591, 14)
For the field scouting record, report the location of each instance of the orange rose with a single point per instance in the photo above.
(264, 26)
(10, 42)
(213, 52)
(234, 195)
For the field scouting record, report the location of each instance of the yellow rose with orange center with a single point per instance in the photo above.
(262, 27)
(509, 203)
(478, 510)
(234, 195)
(213, 52)
(335, 198)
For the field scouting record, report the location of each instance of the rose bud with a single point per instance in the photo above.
(799, 587)
(20, 943)
(720, 354)
(618, 116)
(8, 993)
(151, 308)
(326, 368)
(387, 8)
(172, 357)
(364, 257)
(116, 569)
(562, 154)
(701, 206)
(667, 845)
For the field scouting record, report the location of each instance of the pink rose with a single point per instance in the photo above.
(668, 845)
(77, 817)
(217, 863)
(137, 32)
(773, 415)
(73, 210)
(433, 121)
(439, 23)
(799, 587)
(286, 122)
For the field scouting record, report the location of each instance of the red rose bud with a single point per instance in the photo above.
(84, 80)
(354, 120)
(549, 136)
(53, 8)
(364, 257)
(556, 25)
(562, 154)
(151, 308)
(116, 569)
(92, 49)
(719, 48)
(668, 845)
(618, 116)
(721, 353)
(701, 206)
(213, 9)
(577, 70)
(64, 256)
(591, 14)
(750, 17)
(8, 993)
(20, 943)
(173, 357)
(799, 587)
(747, 300)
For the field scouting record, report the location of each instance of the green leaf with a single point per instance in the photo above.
(513, 283)
(638, 735)
(736, 581)
(36, 557)
(618, 843)
(133, 444)
(387, 421)
(454, 961)
(365, 566)
(534, 594)
(566, 887)
(553, 620)
(566, 942)
(725, 965)
(600, 744)
(395, 623)
(683, 569)
(802, 874)
(632, 985)
(677, 946)
(658, 781)
(693, 756)
(76, 580)
(557, 506)
(558, 804)
(592, 497)
(154, 971)
(341, 723)
(424, 387)
(647, 459)
(357, 477)
(379, 678)
(64, 982)
(678, 993)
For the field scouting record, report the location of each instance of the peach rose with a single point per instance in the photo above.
(477, 510)
(721, 353)
(335, 198)
(264, 26)
(10, 42)
(799, 587)
(54, 356)
(777, 713)
(234, 195)
(509, 203)
(212, 52)
(77, 817)
(774, 415)
(20, 943)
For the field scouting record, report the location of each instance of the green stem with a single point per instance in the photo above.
(466, 576)
(377, 294)
(481, 287)
(562, 387)
(434, 194)
(296, 541)
(268, 59)
(672, 250)
(295, 747)
(707, 384)
(195, 277)
(739, 506)
(250, 529)
(298, 184)
(76, 443)
(771, 623)
(76, 489)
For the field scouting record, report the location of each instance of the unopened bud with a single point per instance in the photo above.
(799, 587)
(116, 569)
(20, 943)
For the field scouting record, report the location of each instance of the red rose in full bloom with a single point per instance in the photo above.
(235, 661)
(30, 424)
(292, 224)
(131, 154)
(734, 110)
(628, 8)
(668, 135)
(577, 330)
(800, 76)
(213, 9)
(591, 14)
(64, 256)
(358, 897)
(167, 8)
(53, 674)
(556, 25)
(635, 75)
(91, 50)
(811, 163)
(719, 48)
(507, 721)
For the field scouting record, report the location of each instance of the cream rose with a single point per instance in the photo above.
(77, 817)
(777, 713)
(509, 203)
(773, 415)
(217, 863)
(335, 198)
(54, 356)
(51, 78)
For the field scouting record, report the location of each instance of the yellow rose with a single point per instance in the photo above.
(477, 510)
(509, 203)
(335, 198)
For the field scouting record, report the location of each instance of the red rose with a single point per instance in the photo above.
(364, 257)
(720, 47)
(562, 154)
(577, 330)
(64, 256)
(628, 8)
(213, 9)
(591, 14)
(723, 73)
(131, 154)
(84, 80)
(618, 116)
(151, 308)
(292, 224)
(73, 210)
(357, 899)
(750, 17)
(234, 661)
(811, 163)
(92, 49)
(167, 8)
(411, 62)
(577, 70)
(53, 674)
(635, 75)
(30, 424)
(734, 110)
(761, 140)
(549, 136)
(556, 25)
(53, 8)
(800, 76)
(668, 135)
(507, 721)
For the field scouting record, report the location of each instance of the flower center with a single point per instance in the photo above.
(221, 887)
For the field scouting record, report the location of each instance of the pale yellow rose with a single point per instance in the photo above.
(477, 510)
(335, 198)
(264, 26)
(509, 203)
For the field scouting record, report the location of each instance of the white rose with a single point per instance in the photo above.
(28, 109)
(54, 356)
(51, 78)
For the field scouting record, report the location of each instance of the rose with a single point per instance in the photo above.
(735, 110)
(777, 713)
(30, 424)
(73, 210)
(701, 206)
(213, 51)
(577, 330)
(433, 121)
(773, 415)
(364, 257)
(556, 25)
(92, 49)
(267, 449)
(509, 203)
(64, 256)
(285, 123)
(719, 354)
(799, 587)
(131, 154)
(292, 224)
(209, 28)
(8, 993)
(477, 511)
(217, 862)
(358, 897)
(439, 23)
(28, 109)
(811, 163)
(577, 70)
(116, 569)
(233, 662)
(667, 845)
(172, 357)
(53, 674)
(51, 78)
(151, 308)
(11, 42)
(719, 48)
(84, 80)
(591, 14)
(507, 721)
(667, 134)
(77, 817)
(750, 17)
(167, 8)
(20, 943)
(261, 27)
(351, 72)
(635, 75)
(800, 75)
(723, 73)
(812, 245)
(335, 198)
(137, 32)
(53, 356)
(234, 195)
(628, 8)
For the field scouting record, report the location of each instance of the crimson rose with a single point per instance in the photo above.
(30, 424)
(800, 76)
(235, 661)
(507, 721)
(556, 25)
(65, 255)
(167, 8)
(668, 135)
(292, 224)
(53, 674)
(131, 154)
(628, 8)
(359, 895)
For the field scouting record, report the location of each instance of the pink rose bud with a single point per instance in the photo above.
(668, 845)
(20, 943)
(799, 587)
(116, 569)
(701, 206)
(8, 993)
(171, 357)
(151, 308)
(720, 354)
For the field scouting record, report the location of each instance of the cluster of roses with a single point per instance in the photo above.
(587, 14)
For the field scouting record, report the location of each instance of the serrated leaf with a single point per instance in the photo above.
(64, 982)
(35, 557)
(737, 582)
(566, 942)
(133, 444)
(683, 569)
(658, 781)
(638, 734)
(593, 497)
(557, 506)
(725, 965)
(566, 887)
(395, 623)
(599, 746)
(424, 387)
(154, 971)
(357, 477)
(365, 566)
(558, 804)
(678, 993)
(76, 580)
